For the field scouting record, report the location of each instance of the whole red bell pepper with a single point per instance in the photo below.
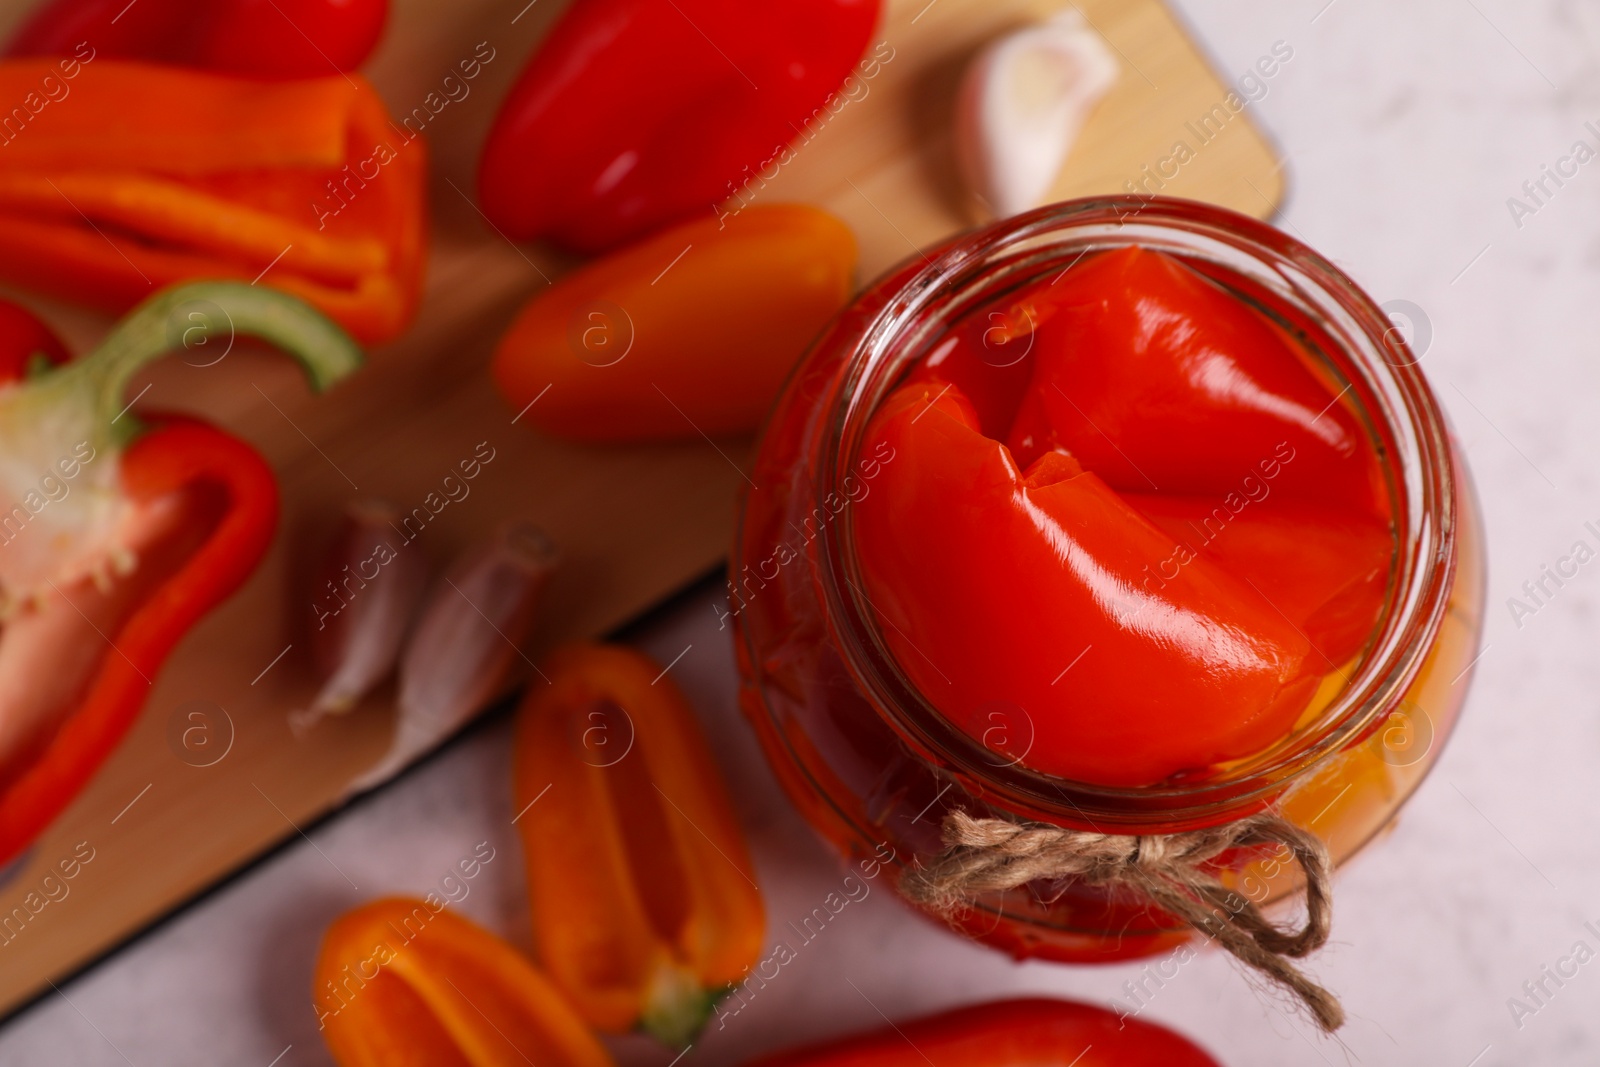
(634, 114)
(116, 537)
(270, 39)
(1003, 1034)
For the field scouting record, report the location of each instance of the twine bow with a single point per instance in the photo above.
(992, 855)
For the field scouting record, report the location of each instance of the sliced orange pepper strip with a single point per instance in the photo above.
(202, 221)
(645, 906)
(145, 176)
(400, 982)
(126, 115)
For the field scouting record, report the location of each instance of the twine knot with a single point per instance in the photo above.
(993, 855)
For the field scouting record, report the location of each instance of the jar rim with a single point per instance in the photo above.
(901, 316)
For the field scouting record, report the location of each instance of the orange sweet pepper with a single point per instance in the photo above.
(645, 907)
(401, 983)
(690, 332)
(120, 178)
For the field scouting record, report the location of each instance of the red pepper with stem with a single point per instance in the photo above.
(635, 114)
(1005, 1033)
(117, 537)
(269, 39)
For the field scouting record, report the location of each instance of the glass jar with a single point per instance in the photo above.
(874, 767)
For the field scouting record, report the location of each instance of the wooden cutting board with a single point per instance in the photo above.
(171, 813)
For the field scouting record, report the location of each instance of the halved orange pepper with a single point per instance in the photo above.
(690, 332)
(645, 907)
(122, 177)
(402, 983)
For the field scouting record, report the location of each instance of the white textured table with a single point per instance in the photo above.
(1407, 128)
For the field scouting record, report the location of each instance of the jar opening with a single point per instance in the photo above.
(1339, 325)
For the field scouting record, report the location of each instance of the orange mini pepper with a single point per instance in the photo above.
(121, 178)
(645, 907)
(690, 332)
(401, 983)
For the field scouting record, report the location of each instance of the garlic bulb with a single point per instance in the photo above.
(466, 650)
(1022, 104)
(362, 606)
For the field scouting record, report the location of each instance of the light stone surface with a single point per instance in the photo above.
(1407, 127)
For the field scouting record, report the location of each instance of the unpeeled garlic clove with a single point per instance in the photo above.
(362, 606)
(1022, 104)
(466, 650)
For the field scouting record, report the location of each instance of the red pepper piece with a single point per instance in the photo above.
(268, 39)
(173, 459)
(1198, 410)
(1327, 569)
(1030, 594)
(25, 338)
(1160, 381)
(1005, 1034)
(122, 541)
(635, 114)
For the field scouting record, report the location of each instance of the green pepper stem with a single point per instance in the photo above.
(676, 1008)
(68, 423)
(204, 316)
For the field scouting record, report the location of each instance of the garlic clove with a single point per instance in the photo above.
(467, 648)
(362, 606)
(1022, 104)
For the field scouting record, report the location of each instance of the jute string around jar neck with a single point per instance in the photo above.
(992, 855)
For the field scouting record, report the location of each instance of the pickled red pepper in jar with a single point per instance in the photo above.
(1129, 512)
